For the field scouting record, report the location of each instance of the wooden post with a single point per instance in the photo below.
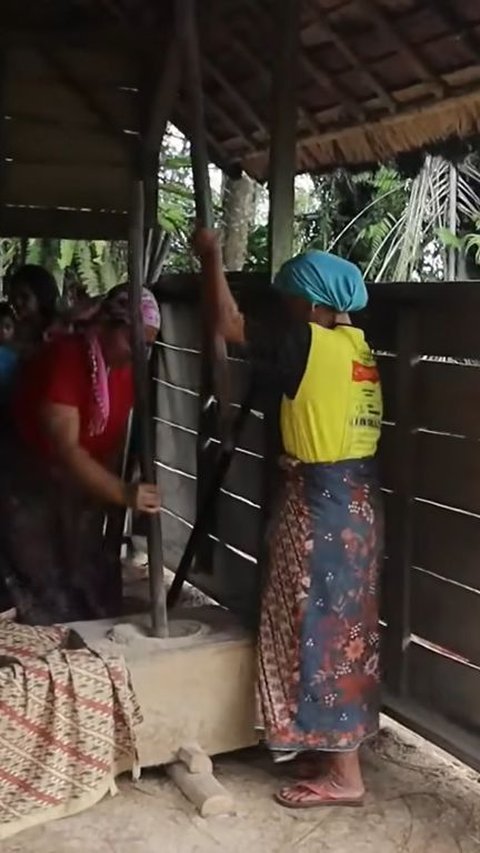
(283, 133)
(142, 408)
(399, 568)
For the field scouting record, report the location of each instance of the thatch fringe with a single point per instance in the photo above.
(384, 139)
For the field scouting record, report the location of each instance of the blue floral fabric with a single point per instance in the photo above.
(319, 675)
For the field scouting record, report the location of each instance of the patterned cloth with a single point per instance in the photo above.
(319, 636)
(67, 718)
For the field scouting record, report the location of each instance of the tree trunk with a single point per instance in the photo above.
(452, 252)
(238, 201)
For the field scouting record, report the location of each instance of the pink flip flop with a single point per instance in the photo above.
(325, 801)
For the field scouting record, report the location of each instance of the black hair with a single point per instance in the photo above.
(41, 283)
(6, 310)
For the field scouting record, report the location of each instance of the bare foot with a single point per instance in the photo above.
(322, 792)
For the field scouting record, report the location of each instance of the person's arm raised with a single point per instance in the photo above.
(224, 314)
(62, 426)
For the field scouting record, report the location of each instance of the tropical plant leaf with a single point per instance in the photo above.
(67, 251)
(85, 266)
(428, 233)
(34, 253)
(472, 242)
(449, 239)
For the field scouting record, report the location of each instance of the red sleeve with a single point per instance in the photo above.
(66, 372)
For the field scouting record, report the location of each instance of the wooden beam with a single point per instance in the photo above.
(237, 102)
(449, 13)
(224, 117)
(263, 74)
(215, 150)
(349, 54)
(226, 120)
(159, 100)
(89, 100)
(167, 81)
(163, 98)
(242, 104)
(322, 77)
(68, 224)
(387, 29)
(283, 137)
(326, 80)
(156, 111)
(167, 88)
(257, 63)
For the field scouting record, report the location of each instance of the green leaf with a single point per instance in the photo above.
(67, 249)
(174, 162)
(449, 239)
(472, 241)
(34, 252)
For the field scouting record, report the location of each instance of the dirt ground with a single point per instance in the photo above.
(419, 802)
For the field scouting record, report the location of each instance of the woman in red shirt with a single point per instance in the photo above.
(70, 413)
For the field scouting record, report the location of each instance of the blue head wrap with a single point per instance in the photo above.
(323, 279)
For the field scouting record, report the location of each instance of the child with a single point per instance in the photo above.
(8, 356)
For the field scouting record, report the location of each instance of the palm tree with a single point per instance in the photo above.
(434, 233)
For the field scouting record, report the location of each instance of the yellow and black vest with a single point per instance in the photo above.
(337, 411)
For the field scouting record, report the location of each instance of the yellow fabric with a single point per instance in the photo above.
(337, 411)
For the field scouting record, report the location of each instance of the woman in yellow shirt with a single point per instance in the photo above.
(318, 653)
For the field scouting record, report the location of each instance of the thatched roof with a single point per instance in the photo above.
(377, 78)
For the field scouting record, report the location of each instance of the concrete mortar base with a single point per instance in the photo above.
(196, 690)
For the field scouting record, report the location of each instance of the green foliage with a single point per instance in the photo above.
(353, 214)
(176, 202)
(99, 265)
(257, 252)
(399, 228)
(9, 254)
(45, 253)
(449, 239)
(472, 244)
(396, 225)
